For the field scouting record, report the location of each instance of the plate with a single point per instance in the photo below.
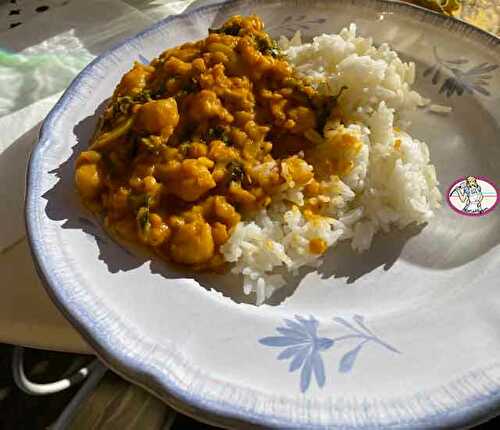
(404, 336)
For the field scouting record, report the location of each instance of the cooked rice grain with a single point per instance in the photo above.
(391, 184)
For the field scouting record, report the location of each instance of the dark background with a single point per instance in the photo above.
(19, 411)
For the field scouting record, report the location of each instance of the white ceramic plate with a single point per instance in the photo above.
(403, 336)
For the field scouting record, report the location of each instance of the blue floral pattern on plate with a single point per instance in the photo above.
(303, 346)
(475, 79)
(363, 334)
(291, 24)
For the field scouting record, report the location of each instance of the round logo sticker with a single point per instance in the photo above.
(473, 196)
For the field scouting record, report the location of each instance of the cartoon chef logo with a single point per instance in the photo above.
(473, 196)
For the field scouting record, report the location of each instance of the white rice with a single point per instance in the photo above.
(392, 182)
(440, 108)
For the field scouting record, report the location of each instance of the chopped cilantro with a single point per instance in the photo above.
(326, 108)
(267, 46)
(143, 220)
(152, 143)
(236, 171)
(189, 87)
(137, 201)
(123, 104)
(231, 30)
(218, 133)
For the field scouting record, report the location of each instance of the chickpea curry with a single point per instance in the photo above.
(204, 135)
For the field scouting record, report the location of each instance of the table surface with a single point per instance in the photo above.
(27, 315)
(44, 48)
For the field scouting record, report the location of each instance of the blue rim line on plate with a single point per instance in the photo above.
(149, 377)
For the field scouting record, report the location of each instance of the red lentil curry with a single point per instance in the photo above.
(175, 161)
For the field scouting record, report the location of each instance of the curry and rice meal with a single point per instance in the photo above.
(240, 151)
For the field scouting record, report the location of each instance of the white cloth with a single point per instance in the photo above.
(38, 60)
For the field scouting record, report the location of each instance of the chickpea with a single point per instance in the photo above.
(158, 117)
(219, 233)
(88, 181)
(192, 243)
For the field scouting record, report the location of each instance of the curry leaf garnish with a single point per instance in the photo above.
(267, 46)
(326, 107)
(218, 133)
(138, 201)
(189, 87)
(144, 96)
(183, 148)
(152, 143)
(123, 104)
(236, 171)
(143, 220)
(231, 29)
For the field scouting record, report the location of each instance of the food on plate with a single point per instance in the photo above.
(239, 149)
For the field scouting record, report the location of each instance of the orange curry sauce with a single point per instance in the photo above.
(204, 135)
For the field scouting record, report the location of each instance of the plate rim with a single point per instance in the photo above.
(156, 382)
